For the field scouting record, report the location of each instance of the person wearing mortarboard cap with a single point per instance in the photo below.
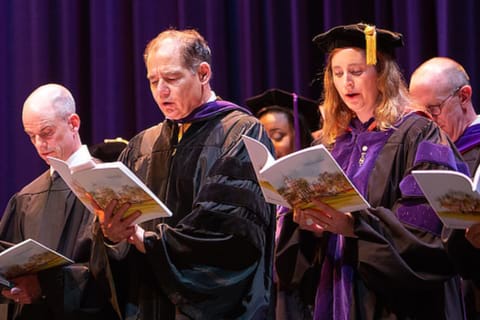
(289, 119)
(386, 262)
(108, 150)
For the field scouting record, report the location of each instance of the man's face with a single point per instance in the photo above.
(431, 96)
(51, 135)
(176, 89)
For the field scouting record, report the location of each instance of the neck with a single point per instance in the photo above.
(365, 116)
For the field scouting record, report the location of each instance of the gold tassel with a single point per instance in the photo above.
(371, 44)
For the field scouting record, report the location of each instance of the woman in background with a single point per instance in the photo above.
(276, 110)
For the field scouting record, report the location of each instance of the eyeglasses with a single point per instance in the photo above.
(436, 109)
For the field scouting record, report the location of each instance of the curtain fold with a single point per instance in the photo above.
(95, 48)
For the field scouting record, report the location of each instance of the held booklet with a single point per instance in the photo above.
(99, 183)
(295, 179)
(454, 196)
(28, 257)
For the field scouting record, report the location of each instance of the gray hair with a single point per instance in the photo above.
(195, 47)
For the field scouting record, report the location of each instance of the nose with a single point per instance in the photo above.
(348, 81)
(39, 142)
(162, 89)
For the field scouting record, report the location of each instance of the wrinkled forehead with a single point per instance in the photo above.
(165, 59)
(35, 118)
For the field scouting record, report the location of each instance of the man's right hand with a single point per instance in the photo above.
(27, 289)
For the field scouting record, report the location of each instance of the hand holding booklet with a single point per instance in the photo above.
(454, 196)
(311, 173)
(96, 184)
(27, 257)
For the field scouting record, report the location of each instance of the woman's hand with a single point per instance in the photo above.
(322, 218)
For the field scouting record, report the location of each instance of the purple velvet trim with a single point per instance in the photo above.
(348, 151)
(211, 109)
(281, 212)
(410, 187)
(435, 153)
(332, 300)
(420, 216)
(469, 139)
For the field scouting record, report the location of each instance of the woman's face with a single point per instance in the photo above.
(280, 131)
(355, 81)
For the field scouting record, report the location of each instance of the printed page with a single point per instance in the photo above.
(262, 158)
(313, 173)
(297, 178)
(29, 256)
(97, 186)
(452, 195)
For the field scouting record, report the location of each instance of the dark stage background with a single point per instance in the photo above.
(95, 49)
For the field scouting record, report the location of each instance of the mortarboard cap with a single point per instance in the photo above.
(279, 98)
(108, 150)
(359, 35)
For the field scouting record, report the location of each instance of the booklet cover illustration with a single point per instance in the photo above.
(29, 257)
(296, 179)
(454, 196)
(96, 184)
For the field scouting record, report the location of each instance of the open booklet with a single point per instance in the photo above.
(27, 257)
(96, 184)
(454, 196)
(295, 179)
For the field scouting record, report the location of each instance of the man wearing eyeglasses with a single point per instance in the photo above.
(441, 87)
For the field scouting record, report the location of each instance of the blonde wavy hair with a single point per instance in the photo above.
(391, 102)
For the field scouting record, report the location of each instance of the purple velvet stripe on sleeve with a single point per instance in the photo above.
(420, 216)
(410, 187)
(439, 154)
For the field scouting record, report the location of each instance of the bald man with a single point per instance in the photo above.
(441, 87)
(47, 211)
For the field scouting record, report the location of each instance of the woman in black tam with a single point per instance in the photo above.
(386, 262)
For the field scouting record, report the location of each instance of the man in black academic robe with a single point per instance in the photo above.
(213, 258)
(47, 211)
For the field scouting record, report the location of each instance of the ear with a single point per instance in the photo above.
(465, 94)
(204, 72)
(74, 121)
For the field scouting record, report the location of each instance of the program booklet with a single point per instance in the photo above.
(27, 257)
(96, 184)
(295, 179)
(454, 196)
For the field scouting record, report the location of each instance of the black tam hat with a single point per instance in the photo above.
(276, 98)
(304, 111)
(108, 150)
(360, 35)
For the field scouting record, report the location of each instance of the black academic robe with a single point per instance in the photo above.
(50, 213)
(398, 268)
(466, 257)
(213, 258)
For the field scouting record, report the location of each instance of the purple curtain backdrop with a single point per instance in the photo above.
(95, 49)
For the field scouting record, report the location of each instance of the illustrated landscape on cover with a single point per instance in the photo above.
(28, 257)
(96, 184)
(296, 179)
(453, 196)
